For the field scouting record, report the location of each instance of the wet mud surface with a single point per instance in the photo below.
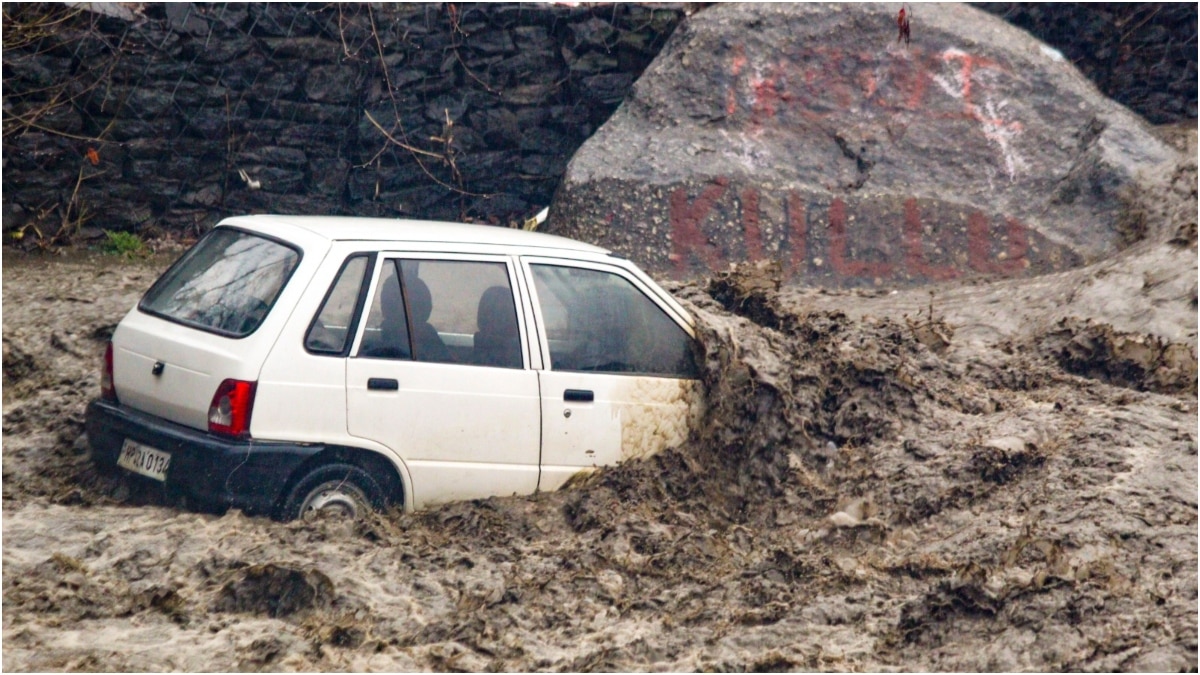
(992, 477)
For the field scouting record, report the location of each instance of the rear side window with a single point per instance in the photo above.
(600, 322)
(470, 316)
(458, 311)
(331, 328)
(225, 284)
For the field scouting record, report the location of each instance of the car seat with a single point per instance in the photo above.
(497, 342)
(427, 344)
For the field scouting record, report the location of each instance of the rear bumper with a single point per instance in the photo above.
(245, 474)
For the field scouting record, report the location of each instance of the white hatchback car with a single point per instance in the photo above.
(287, 365)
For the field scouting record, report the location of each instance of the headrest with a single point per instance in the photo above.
(420, 301)
(496, 310)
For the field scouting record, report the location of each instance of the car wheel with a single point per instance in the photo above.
(335, 490)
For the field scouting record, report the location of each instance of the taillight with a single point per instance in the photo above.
(229, 412)
(107, 390)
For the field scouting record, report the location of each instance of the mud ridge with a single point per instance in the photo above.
(1138, 361)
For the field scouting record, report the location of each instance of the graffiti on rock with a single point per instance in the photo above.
(876, 240)
(808, 84)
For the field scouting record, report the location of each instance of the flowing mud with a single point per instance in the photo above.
(990, 477)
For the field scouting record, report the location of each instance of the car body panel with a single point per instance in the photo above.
(629, 417)
(193, 364)
(245, 474)
(464, 431)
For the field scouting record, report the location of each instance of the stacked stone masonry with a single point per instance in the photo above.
(173, 116)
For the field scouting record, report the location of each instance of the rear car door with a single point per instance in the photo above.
(440, 374)
(621, 381)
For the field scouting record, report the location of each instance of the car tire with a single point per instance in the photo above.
(343, 490)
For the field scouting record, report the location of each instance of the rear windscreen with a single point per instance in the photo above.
(226, 283)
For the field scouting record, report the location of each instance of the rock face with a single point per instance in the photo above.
(810, 134)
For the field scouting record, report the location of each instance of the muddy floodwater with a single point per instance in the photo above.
(993, 476)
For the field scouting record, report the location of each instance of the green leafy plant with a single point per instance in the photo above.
(126, 244)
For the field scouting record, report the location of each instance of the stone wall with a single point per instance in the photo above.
(1140, 54)
(173, 116)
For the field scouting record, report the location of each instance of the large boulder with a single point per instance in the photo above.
(811, 134)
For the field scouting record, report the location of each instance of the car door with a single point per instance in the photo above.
(621, 381)
(456, 399)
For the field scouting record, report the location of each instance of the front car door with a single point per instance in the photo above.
(440, 373)
(621, 381)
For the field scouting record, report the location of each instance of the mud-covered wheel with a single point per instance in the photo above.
(335, 490)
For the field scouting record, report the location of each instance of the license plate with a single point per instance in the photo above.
(144, 459)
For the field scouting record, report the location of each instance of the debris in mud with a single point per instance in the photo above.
(18, 364)
(1141, 362)
(1132, 221)
(949, 600)
(68, 588)
(344, 631)
(275, 590)
(746, 289)
(1185, 235)
(930, 330)
(1001, 460)
(858, 513)
(1180, 212)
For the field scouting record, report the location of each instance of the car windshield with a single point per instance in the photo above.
(226, 283)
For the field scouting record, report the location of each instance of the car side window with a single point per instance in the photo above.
(331, 327)
(458, 311)
(386, 332)
(462, 311)
(600, 322)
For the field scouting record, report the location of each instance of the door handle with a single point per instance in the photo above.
(383, 384)
(584, 395)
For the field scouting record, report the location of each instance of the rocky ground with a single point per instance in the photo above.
(988, 476)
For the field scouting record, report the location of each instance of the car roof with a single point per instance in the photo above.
(348, 228)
